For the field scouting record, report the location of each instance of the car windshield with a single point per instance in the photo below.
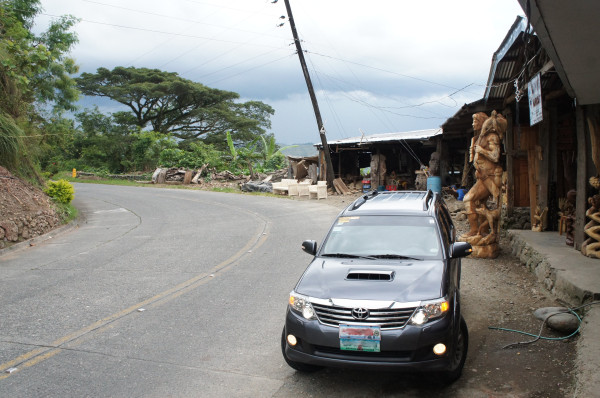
(383, 237)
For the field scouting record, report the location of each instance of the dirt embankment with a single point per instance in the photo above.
(25, 211)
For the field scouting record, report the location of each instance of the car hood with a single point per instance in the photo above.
(326, 278)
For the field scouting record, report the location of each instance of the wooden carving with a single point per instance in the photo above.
(540, 219)
(482, 202)
(591, 246)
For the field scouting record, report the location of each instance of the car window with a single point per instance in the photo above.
(383, 235)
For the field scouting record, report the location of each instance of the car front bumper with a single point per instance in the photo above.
(408, 348)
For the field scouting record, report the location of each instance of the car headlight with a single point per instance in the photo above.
(430, 310)
(301, 305)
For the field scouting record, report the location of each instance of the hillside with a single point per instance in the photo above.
(25, 211)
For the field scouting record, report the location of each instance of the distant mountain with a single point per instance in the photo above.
(300, 150)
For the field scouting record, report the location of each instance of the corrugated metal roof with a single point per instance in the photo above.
(504, 63)
(385, 137)
(569, 33)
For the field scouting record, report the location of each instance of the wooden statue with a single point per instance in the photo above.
(434, 164)
(591, 246)
(540, 219)
(483, 217)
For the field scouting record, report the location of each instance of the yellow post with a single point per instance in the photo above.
(74, 173)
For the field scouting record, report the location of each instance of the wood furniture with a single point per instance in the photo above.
(318, 191)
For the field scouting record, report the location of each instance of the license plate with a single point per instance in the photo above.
(360, 338)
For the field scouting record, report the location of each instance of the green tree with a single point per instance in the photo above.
(146, 149)
(181, 107)
(193, 156)
(35, 78)
(102, 144)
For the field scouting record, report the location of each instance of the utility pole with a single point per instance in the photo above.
(313, 97)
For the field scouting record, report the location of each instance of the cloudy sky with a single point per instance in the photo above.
(378, 66)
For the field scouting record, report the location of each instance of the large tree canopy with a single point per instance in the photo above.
(181, 107)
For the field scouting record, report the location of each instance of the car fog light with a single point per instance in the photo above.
(438, 349)
(291, 339)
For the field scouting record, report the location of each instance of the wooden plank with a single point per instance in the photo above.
(340, 187)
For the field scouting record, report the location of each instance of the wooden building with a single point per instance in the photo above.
(543, 159)
(403, 153)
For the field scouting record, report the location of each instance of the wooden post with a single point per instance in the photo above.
(313, 97)
(339, 153)
(544, 151)
(532, 165)
(509, 147)
(443, 166)
(581, 201)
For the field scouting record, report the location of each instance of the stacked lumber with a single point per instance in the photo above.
(340, 187)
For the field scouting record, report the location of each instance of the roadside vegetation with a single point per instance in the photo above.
(165, 121)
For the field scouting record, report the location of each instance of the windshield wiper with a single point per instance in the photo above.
(348, 255)
(396, 256)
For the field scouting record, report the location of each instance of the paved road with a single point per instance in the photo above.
(157, 293)
(167, 292)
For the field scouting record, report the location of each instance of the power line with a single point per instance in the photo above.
(201, 44)
(236, 64)
(386, 96)
(165, 33)
(329, 104)
(248, 70)
(385, 70)
(180, 18)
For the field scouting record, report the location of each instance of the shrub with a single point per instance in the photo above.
(62, 191)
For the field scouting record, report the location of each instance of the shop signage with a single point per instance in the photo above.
(534, 91)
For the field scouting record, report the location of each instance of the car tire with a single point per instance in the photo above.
(459, 354)
(299, 366)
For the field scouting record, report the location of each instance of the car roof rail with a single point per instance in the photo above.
(428, 197)
(363, 199)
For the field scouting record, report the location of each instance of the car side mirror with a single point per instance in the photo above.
(460, 249)
(310, 246)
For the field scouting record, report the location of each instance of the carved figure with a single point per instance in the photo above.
(591, 246)
(478, 119)
(483, 218)
(434, 164)
(540, 219)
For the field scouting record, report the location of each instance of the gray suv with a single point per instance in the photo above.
(383, 291)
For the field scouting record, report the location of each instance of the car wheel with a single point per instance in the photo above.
(459, 354)
(299, 366)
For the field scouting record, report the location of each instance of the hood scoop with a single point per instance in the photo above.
(369, 275)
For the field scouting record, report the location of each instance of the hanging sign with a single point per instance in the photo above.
(534, 91)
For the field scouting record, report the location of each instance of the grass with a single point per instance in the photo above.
(67, 175)
(66, 212)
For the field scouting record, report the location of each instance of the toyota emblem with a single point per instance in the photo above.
(360, 313)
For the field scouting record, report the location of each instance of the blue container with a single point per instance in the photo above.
(366, 186)
(434, 183)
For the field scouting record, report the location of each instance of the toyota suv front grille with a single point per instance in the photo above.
(386, 318)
